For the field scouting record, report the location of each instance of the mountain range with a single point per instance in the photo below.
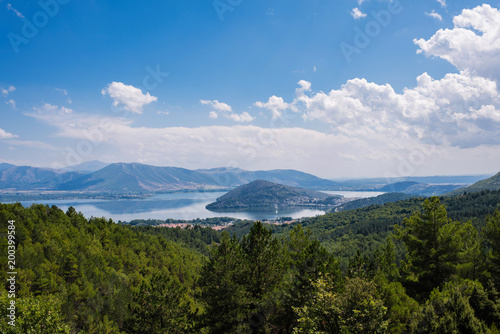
(127, 178)
(140, 178)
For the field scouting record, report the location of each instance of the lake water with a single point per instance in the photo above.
(185, 206)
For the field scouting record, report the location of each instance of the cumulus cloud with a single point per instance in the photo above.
(461, 107)
(226, 111)
(128, 96)
(472, 45)
(276, 105)
(434, 15)
(48, 108)
(219, 106)
(6, 92)
(6, 135)
(244, 117)
(357, 14)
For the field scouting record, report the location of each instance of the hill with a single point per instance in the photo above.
(378, 200)
(135, 177)
(417, 188)
(33, 178)
(261, 193)
(491, 183)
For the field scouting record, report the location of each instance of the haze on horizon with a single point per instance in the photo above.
(360, 88)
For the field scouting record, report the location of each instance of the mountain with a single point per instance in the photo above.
(231, 177)
(378, 200)
(140, 178)
(33, 178)
(261, 193)
(135, 177)
(491, 183)
(416, 188)
(87, 167)
(4, 166)
(398, 186)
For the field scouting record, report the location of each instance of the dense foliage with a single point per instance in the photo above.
(415, 266)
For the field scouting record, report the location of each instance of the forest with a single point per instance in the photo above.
(414, 266)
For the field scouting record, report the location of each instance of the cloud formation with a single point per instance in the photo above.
(6, 92)
(130, 97)
(226, 111)
(357, 14)
(6, 135)
(473, 44)
(434, 15)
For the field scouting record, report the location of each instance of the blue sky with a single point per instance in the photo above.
(336, 88)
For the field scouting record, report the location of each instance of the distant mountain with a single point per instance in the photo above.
(398, 186)
(378, 200)
(135, 177)
(4, 166)
(33, 178)
(261, 193)
(231, 177)
(87, 167)
(140, 178)
(421, 189)
(492, 183)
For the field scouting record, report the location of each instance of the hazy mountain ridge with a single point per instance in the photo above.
(261, 193)
(491, 183)
(140, 178)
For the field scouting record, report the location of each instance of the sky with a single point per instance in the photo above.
(345, 88)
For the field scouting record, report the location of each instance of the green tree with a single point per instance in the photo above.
(437, 247)
(355, 309)
(449, 310)
(160, 307)
(33, 315)
(240, 283)
(491, 233)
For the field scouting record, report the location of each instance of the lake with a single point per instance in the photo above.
(186, 206)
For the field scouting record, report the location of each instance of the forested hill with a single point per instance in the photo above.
(366, 229)
(78, 275)
(91, 269)
(262, 193)
(491, 183)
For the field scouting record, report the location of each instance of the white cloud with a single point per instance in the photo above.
(434, 15)
(314, 69)
(7, 91)
(6, 135)
(12, 103)
(453, 107)
(163, 112)
(244, 117)
(226, 111)
(130, 97)
(357, 14)
(442, 2)
(18, 13)
(472, 45)
(48, 108)
(219, 106)
(276, 105)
